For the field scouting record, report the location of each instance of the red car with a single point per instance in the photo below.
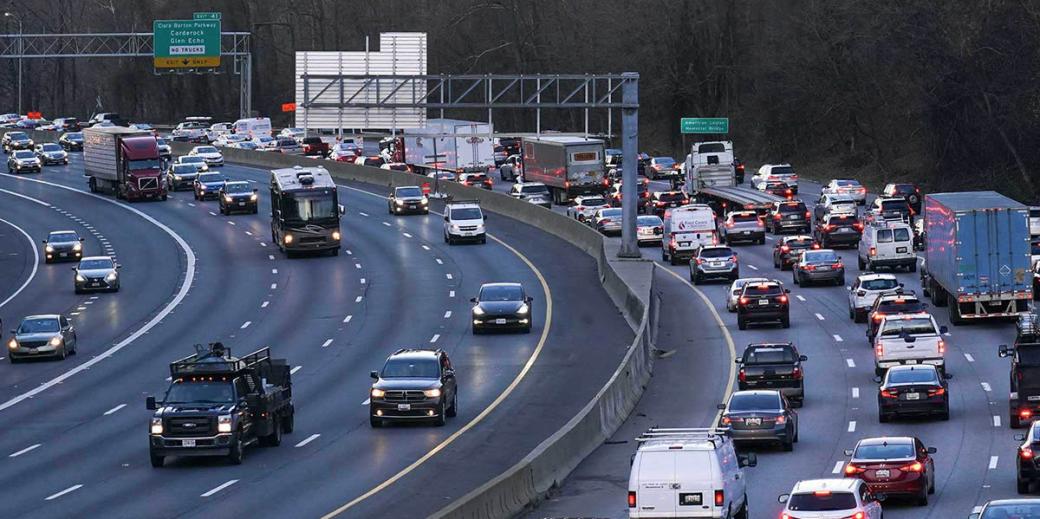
(894, 466)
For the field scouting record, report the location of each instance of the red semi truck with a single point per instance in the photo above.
(123, 161)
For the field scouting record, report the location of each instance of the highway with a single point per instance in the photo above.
(975, 461)
(75, 439)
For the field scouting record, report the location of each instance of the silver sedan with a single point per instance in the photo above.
(49, 335)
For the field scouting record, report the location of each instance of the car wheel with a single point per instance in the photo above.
(288, 422)
(852, 314)
(794, 278)
(786, 322)
(788, 446)
(237, 451)
(275, 438)
(883, 417)
(375, 422)
(1023, 485)
(157, 461)
(440, 419)
(913, 267)
(1014, 422)
(741, 323)
(922, 500)
(743, 512)
(862, 265)
(454, 409)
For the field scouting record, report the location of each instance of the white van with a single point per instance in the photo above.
(887, 244)
(253, 127)
(688, 473)
(687, 229)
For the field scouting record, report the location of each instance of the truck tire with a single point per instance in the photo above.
(275, 438)
(157, 461)
(862, 264)
(955, 311)
(288, 422)
(1023, 485)
(237, 451)
(1014, 421)
(741, 323)
(441, 417)
(454, 409)
(375, 422)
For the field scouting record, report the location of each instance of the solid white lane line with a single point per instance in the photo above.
(248, 233)
(448, 275)
(308, 440)
(435, 337)
(837, 338)
(88, 302)
(326, 343)
(850, 362)
(852, 426)
(820, 317)
(447, 315)
(73, 488)
(752, 267)
(219, 488)
(73, 313)
(986, 387)
(348, 318)
(800, 298)
(996, 420)
(264, 304)
(993, 462)
(35, 267)
(23, 451)
(270, 257)
(294, 370)
(969, 357)
(191, 204)
(837, 467)
(114, 409)
(29, 198)
(350, 252)
(367, 400)
(451, 293)
(245, 325)
(357, 265)
(855, 392)
(212, 213)
(439, 262)
(358, 299)
(81, 308)
(262, 244)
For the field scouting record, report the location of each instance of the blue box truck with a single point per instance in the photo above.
(977, 258)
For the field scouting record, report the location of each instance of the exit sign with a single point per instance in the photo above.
(704, 125)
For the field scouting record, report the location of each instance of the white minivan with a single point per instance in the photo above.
(887, 244)
(688, 473)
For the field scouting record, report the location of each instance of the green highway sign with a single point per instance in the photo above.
(704, 125)
(186, 43)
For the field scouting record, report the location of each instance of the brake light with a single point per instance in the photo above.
(851, 469)
(858, 226)
(857, 515)
(796, 372)
(566, 184)
(837, 265)
(807, 215)
(809, 267)
(1026, 453)
(781, 419)
(828, 227)
(720, 497)
(942, 347)
(660, 203)
(873, 251)
(730, 225)
(726, 420)
(816, 245)
(700, 261)
(606, 182)
(937, 392)
(913, 467)
(744, 300)
(734, 258)
(879, 350)
(889, 393)
(579, 208)
(1025, 413)
(783, 299)
(785, 248)
(741, 376)
(631, 499)
(776, 216)
(878, 316)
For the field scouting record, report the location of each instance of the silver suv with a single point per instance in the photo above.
(714, 262)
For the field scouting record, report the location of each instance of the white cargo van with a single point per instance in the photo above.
(253, 127)
(687, 229)
(688, 473)
(887, 244)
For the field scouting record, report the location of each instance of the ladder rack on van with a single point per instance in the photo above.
(679, 434)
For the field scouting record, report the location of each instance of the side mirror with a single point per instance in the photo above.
(848, 452)
(72, 269)
(721, 407)
(787, 290)
(472, 300)
(119, 267)
(943, 330)
(82, 239)
(803, 358)
(947, 376)
(529, 299)
(374, 374)
(1003, 351)
(149, 403)
(900, 285)
(932, 450)
(738, 361)
(485, 217)
(43, 242)
(747, 460)
(445, 218)
(877, 380)
(342, 209)
(783, 498)
(1019, 437)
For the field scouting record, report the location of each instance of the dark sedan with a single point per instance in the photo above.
(238, 196)
(773, 366)
(894, 466)
(815, 266)
(181, 176)
(502, 306)
(72, 141)
(62, 246)
(760, 417)
(208, 185)
(913, 390)
(788, 248)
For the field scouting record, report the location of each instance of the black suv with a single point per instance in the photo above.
(910, 192)
(788, 216)
(238, 196)
(1024, 405)
(838, 229)
(895, 303)
(502, 306)
(414, 384)
(787, 249)
(773, 366)
(766, 301)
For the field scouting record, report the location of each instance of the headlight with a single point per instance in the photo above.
(31, 142)
(49, 248)
(432, 393)
(13, 344)
(157, 426)
(177, 178)
(224, 423)
(77, 247)
(478, 310)
(287, 239)
(56, 340)
(378, 393)
(202, 187)
(523, 309)
(425, 200)
(111, 277)
(335, 235)
(227, 199)
(399, 202)
(80, 278)
(252, 197)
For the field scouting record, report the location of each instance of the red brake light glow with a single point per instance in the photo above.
(889, 393)
(852, 469)
(720, 497)
(631, 499)
(913, 467)
(1026, 453)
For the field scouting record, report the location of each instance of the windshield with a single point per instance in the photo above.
(879, 284)
(63, 237)
(310, 207)
(1028, 355)
(411, 368)
(39, 326)
(671, 197)
(884, 451)
(841, 220)
(754, 401)
(1012, 511)
(286, 142)
(409, 192)
(744, 217)
(51, 147)
(610, 213)
(24, 154)
(191, 160)
(714, 147)
(184, 169)
(140, 165)
(913, 326)
(792, 208)
(217, 392)
(822, 502)
(894, 205)
(782, 170)
(716, 253)
(528, 190)
(501, 293)
(18, 135)
(95, 264)
(799, 243)
(466, 213)
(821, 257)
(893, 306)
(210, 178)
(74, 136)
(206, 149)
(664, 161)
(769, 356)
(593, 201)
(846, 183)
(912, 376)
(648, 221)
(236, 188)
(902, 189)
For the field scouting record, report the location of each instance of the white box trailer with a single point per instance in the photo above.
(449, 144)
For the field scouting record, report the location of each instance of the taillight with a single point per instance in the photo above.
(700, 261)
(729, 225)
(726, 420)
(879, 350)
(889, 393)
(937, 392)
(851, 469)
(631, 499)
(741, 376)
(873, 251)
(1026, 453)
(877, 317)
(579, 208)
(916, 466)
(734, 258)
(858, 226)
(837, 265)
(566, 184)
(608, 220)
(673, 244)
(783, 299)
(816, 245)
(781, 419)
(807, 215)
(776, 216)
(785, 248)
(1025, 413)
(942, 347)
(857, 515)
(828, 227)
(743, 300)
(796, 373)
(720, 497)
(809, 267)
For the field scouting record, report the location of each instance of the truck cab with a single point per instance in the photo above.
(218, 404)
(909, 339)
(1024, 396)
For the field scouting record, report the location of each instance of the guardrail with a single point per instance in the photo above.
(626, 282)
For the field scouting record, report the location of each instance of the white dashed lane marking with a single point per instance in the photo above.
(246, 325)
(114, 409)
(219, 488)
(969, 357)
(837, 467)
(800, 298)
(73, 488)
(23, 451)
(851, 363)
(852, 426)
(294, 370)
(348, 318)
(434, 338)
(326, 343)
(447, 315)
(837, 338)
(993, 462)
(855, 392)
(996, 421)
(820, 317)
(358, 299)
(308, 440)
(986, 387)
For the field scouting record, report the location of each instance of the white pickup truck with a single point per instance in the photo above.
(909, 339)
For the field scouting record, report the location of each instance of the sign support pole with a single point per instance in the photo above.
(629, 159)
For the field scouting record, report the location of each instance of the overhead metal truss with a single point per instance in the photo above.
(467, 91)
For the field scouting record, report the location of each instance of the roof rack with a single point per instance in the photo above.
(216, 359)
(451, 200)
(682, 433)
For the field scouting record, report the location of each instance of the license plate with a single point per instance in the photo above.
(753, 421)
(823, 268)
(913, 396)
(187, 443)
(500, 321)
(716, 264)
(911, 361)
(882, 473)
(64, 254)
(900, 249)
(684, 244)
(241, 204)
(746, 232)
(763, 302)
(33, 350)
(690, 499)
(404, 407)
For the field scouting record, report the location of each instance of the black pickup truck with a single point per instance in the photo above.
(1024, 398)
(773, 366)
(217, 405)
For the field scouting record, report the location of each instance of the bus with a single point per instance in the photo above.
(305, 210)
